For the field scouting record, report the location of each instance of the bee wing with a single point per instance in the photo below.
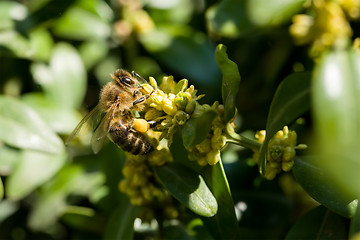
(82, 123)
(100, 134)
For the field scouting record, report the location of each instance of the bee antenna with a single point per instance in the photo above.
(133, 73)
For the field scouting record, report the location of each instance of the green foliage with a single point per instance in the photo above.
(56, 55)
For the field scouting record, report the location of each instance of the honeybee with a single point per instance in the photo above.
(118, 100)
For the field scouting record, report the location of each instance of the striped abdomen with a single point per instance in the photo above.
(129, 141)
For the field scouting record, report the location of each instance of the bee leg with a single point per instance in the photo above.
(140, 100)
(133, 73)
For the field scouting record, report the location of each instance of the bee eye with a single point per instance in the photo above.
(126, 80)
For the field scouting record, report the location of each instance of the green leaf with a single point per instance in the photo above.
(64, 81)
(1, 189)
(229, 18)
(336, 108)
(92, 52)
(188, 187)
(23, 128)
(319, 223)
(52, 198)
(61, 120)
(29, 172)
(83, 218)
(193, 53)
(196, 130)
(291, 100)
(355, 224)
(80, 24)
(320, 185)
(8, 158)
(224, 224)
(273, 12)
(121, 223)
(9, 11)
(230, 81)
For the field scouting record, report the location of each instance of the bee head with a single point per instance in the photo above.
(124, 79)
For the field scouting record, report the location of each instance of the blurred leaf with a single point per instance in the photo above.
(8, 158)
(81, 24)
(319, 223)
(224, 224)
(188, 187)
(1, 189)
(61, 120)
(320, 185)
(196, 130)
(272, 12)
(177, 231)
(121, 223)
(83, 218)
(7, 208)
(32, 170)
(9, 12)
(21, 127)
(336, 102)
(229, 18)
(355, 224)
(193, 53)
(52, 200)
(230, 81)
(291, 100)
(64, 81)
(92, 52)
(173, 11)
(36, 47)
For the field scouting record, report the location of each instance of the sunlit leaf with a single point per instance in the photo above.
(92, 52)
(320, 185)
(196, 129)
(7, 208)
(188, 187)
(121, 223)
(1, 189)
(336, 102)
(51, 203)
(272, 12)
(23, 128)
(291, 100)
(64, 81)
(33, 169)
(61, 120)
(230, 81)
(224, 224)
(8, 158)
(81, 24)
(319, 223)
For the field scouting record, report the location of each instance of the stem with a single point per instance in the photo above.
(241, 140)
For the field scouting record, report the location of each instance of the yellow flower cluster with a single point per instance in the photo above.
(171, 104)
(208, 151)
(281, 151)
(139, 182)
(328, 26)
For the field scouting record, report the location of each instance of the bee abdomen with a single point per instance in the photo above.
(130, 141)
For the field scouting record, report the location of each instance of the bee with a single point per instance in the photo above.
(118, 100)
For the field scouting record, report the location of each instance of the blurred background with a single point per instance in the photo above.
(56, 55)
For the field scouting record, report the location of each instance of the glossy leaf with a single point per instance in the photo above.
(319, 223)
(336, 101)
(273, 12)
(121, 223)
(230, 81)
(196, 130)
(320, 185)
(188, 187)
(291, 100)
(29, 172)
(224, 224)
(23, 128)
(64, 81)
